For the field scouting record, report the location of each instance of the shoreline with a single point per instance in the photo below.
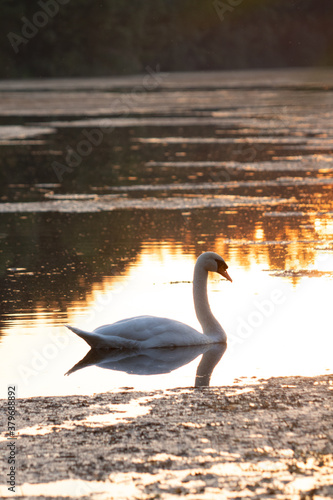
(269, 439)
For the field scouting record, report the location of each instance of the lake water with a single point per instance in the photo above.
(110, 190)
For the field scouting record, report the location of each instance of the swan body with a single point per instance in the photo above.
(148, 332)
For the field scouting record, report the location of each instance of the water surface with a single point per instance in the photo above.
(243, 168)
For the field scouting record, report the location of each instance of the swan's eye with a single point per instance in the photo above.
(221, 265)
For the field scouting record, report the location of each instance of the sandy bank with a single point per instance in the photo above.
(272, 439)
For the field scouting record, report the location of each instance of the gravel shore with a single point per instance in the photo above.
(267, 439)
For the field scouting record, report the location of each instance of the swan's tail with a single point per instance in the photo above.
(90, 338)
(98, 341)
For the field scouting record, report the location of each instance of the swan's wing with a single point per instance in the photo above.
(145, 328)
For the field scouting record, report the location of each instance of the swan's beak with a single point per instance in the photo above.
(225, 275)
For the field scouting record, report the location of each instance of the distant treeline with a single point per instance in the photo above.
(41, 38)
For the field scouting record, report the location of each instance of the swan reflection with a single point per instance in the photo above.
(156, 361)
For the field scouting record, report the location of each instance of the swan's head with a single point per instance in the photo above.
(211, 261)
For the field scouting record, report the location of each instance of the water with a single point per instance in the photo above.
(240, 166)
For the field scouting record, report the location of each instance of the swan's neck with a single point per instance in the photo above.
(209, 323)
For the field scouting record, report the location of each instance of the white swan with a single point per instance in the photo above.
(146, 332)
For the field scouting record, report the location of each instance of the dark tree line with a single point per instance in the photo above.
(104, 37)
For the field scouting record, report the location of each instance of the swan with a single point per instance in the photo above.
(147, 332)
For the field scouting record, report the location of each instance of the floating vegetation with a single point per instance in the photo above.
(73, 204)
(301, 273)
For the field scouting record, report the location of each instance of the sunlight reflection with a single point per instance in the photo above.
(159, 282)
(324, 227)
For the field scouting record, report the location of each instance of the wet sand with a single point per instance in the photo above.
(262, 439)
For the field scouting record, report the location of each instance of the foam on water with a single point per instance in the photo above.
(107, 203)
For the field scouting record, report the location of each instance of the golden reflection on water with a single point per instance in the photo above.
(291, 336)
